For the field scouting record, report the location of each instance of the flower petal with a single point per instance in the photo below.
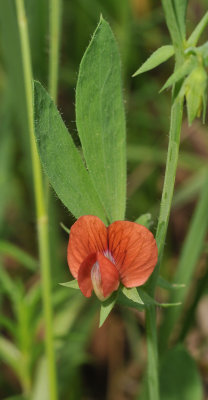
(109, 275)
(134, 250)
(84, 275)
(87, 236)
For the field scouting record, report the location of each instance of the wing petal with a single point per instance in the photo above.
(84, 275)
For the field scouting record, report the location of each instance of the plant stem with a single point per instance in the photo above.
(168, 186)
(42, 217)
(165, 206)
(152, 365)
(167, 194)
(54, 23)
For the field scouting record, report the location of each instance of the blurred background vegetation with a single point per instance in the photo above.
(106, 363)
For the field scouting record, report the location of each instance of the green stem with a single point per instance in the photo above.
(54, 22)
(42, 217)
(152, 365)
(168, 186)
(165, 206)
(167, 195)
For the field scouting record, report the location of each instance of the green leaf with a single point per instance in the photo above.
(9, 249)
(145, 220)
(179, 377)
(158, 57)
(139, 298)
(203, 52)
(8, 285)
(193, 39)
(40, 387)
(132, 294)
(195, 89)
(71, 284)
(61, 160)
(101, 120)
(148, 300)
(7, 324)
(180, 11)
(67, 314)
(10, 355)
(6, 157)
(106, 308)
(173, 23)
(180, 73)
(128, 299)
(163, 283)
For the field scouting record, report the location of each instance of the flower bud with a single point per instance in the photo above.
(195, 87)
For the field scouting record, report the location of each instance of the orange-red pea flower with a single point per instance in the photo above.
(100, 258)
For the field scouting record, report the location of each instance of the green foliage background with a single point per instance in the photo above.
(93, 363)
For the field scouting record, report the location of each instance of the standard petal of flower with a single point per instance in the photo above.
(109, 275)
(87, 236)
(134, 250)
(84, 275)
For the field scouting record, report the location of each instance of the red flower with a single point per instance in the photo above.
(100, 258)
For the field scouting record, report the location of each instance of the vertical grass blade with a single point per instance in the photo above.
(190, 254)
(179, 377)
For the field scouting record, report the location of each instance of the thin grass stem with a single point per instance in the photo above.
(41, 212)
(54, 27)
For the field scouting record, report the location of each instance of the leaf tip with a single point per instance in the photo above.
(101, 322)
(102, 20)
(36, 84)
(165, 86)
(136, 73)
